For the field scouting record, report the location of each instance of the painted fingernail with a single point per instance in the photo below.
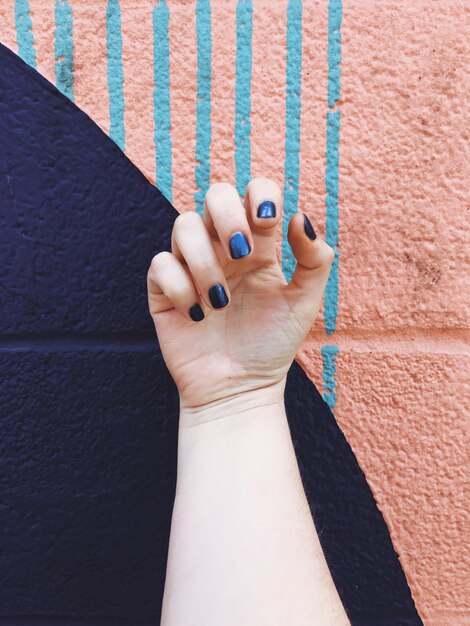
(218, 296)
(196, 313)
(239, 246)
(308, 228)
(266, 209)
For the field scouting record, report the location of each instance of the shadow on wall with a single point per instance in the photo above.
(89, 411)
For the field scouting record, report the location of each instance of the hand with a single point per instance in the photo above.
(251, 322)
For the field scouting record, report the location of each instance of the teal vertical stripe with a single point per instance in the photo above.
(333, 119)
(292, 140)
(115, 73)
(329, 373)
(335, 10)
(161, 99)
(203, 102)
(24, 32)
(243, 63)
(63, 48)
(332, 216)
(335, 15)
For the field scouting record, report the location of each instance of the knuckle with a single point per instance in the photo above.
(206, 268)
(329, 254)
(159, 259)
(175, 293)
(185, 220)
(276, 188)
(269, 183)
(217, 190)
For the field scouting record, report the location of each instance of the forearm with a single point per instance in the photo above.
(243, 547)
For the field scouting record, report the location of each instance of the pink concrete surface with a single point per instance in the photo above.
(183, 72)
(89, 60)
(313, 117)
(7, 24)
(406, 418)
(402, 327)
(42, 17)
(268, 100)
(403, 309)
(137, 60)
(404, 166)
(223, 24)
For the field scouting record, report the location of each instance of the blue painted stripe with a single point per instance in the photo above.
(161, 99)
(203, 102)
(333, 121)
(244, 16)
(329, 374)
(63, 47)
(292, 140)
(335, 15)
(115, 73)
(332, 216)
(24, 32)
(335, 12)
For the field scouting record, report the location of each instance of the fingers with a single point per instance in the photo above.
(314, 258)
(191, 244)
(225, 216)
(263, 204)
(170, 286)
(264, 208)
(193, 273)
(245, 230)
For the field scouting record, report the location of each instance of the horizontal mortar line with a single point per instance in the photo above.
(61, 620)
(367, 619)
(407, 340)
(79, 342)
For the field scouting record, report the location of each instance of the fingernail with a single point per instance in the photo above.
(218, 297)
(308, 228)
(267, 209)
(239, 246)
(196, 313)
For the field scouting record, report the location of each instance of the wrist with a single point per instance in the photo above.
(239, 434)
(236, 406)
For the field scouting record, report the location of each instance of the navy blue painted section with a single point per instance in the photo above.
(88, 465)
(76, 214)
(88, 410)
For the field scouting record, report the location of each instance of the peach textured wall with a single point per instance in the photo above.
(274, 88)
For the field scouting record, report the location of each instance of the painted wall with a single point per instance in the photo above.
(358, 112)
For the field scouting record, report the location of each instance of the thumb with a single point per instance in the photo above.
(314, 258)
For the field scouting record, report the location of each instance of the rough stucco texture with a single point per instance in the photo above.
(403, 312)
(88, 410)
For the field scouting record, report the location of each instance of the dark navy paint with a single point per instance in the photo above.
(88, 410)
(266, 209)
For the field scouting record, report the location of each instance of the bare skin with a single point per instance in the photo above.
(243, 547)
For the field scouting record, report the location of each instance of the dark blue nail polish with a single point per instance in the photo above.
(218, 297)
(309, 229)
(267, 209)
(196, 313)
(239, 246)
